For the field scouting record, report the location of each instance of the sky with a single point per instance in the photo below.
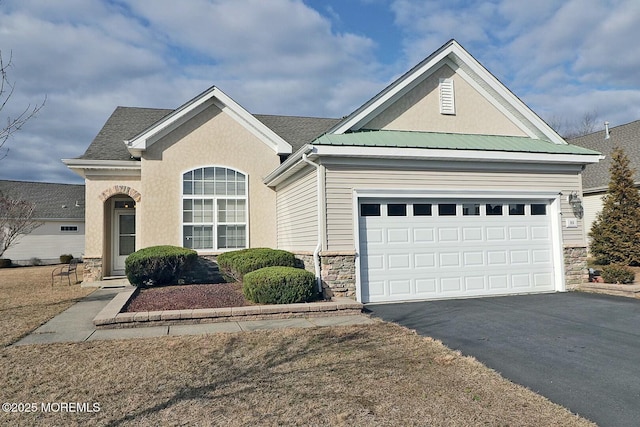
(564, 58)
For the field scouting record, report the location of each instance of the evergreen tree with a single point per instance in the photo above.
(615, 234)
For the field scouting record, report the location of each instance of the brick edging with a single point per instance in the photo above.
(111, 317)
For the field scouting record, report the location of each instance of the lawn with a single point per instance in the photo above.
(27, 300)
(379, 374)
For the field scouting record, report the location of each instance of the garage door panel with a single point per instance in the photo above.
(447, 235)
(421, 257)
(425, 260)
(397, 235)
(451, 259)
(423, 235)
(472, 234)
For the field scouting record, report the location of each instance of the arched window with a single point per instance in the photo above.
(214, 209)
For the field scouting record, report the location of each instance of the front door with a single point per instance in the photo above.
(124, 239)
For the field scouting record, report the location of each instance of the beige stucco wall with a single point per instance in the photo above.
(212, 138)
(419, 110)
(95, 186)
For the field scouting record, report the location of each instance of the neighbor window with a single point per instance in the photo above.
(69, 228)
(214, 209)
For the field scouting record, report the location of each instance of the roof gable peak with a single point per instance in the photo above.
(468, 68)
(211, 96)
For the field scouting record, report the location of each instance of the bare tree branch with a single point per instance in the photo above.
(16, 220)
(15, 123)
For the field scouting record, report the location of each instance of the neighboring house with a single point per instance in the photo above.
(595, 178)
(60, 209)
(443, 185)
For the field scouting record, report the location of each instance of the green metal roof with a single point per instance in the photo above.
(449, 141)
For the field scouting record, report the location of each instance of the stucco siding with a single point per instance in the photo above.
(297, 207)
(419, 110)
(342, 180)
(212, 138)
(96, 240)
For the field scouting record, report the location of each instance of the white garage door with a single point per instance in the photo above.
(427, 249)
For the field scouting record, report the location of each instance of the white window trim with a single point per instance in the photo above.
(215, 222)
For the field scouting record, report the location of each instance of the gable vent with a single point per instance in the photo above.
(447, 97)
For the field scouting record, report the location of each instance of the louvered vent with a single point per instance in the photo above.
(447, 97)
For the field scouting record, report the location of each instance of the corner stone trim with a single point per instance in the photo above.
(120, 189)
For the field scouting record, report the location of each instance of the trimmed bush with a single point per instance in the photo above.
(66, 258)
(616, 273)
(158, 265)
(5, 262)
(279, 285)
(236, 264)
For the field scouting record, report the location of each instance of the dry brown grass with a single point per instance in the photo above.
(27, 300)
(378, 374)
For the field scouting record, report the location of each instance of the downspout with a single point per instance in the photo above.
(316, 252)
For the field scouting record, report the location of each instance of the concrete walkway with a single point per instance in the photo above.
(76, 323)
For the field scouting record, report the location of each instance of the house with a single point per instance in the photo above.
(60, 210)
(443, 185)
(596, 176)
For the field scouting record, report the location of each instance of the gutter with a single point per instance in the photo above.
(316, 252)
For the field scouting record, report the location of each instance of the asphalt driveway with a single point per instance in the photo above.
(580, 350)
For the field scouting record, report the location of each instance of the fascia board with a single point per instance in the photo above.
(253, 125)
(287, 168)
(392, 92)
(212, 96)
(502, 91)
(141, 141)
(102, 164)
(459, 155)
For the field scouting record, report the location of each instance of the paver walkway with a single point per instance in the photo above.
(76, 323)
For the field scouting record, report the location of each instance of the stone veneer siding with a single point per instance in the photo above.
(575, 266)
(337, 270)
(92, 270)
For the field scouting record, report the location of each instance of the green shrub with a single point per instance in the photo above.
(236, 264)
(5, 262)
(158, 265)
(279, 285)
(66, 258)
(616, 273)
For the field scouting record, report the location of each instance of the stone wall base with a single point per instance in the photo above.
(575, 267)
(92, 270)
(337, 270)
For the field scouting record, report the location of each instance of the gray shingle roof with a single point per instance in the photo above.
(127, 122)
(124, 123)
(596, 176)
(297, 131)
(49, 198)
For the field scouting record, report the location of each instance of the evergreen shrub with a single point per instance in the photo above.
(158, 265)
(236, 264)
(279, 285)
(616, 273)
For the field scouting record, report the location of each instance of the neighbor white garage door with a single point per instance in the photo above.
(427, 249)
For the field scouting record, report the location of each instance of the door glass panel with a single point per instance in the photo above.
(421, 209)
(396, 209)
(127, 245)
(127, 224)
(370, 209)
(471, 209)
(516, 209)
(538, 209)
(493, 209)
(447, 209)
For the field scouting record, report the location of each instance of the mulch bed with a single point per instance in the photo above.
(183, 297)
